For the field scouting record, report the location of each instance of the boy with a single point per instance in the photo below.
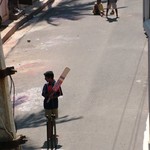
(113, 4)
(98, 8)
(50, 97)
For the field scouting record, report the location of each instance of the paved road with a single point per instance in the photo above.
(105, 95)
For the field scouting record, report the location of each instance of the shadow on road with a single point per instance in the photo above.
(38, 119)
(31, 120)
(45, 145)
(110, 20)
(69, 9)
(67, 119)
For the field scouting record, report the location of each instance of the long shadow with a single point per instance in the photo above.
(25, 147)
(44, 146)
(32, 120)
(68, 9)
(67, 119)
(38, 119)
(122, 7)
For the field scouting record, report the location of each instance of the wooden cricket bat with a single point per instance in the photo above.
(59, 82)
(61, 79)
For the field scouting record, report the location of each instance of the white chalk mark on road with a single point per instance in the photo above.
(29, 100)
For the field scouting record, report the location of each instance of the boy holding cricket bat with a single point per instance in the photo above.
(50, 96)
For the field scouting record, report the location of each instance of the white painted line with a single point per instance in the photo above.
(146, 135)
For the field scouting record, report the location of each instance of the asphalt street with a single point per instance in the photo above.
(104, 106)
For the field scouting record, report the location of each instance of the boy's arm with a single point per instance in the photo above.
(56, 94)
(44, 91)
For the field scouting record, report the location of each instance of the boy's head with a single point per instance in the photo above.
(98, 1)
(49, 76)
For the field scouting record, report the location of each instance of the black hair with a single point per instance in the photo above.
(49, 74)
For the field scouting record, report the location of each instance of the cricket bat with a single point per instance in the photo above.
(61, 79)
(59, 82)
